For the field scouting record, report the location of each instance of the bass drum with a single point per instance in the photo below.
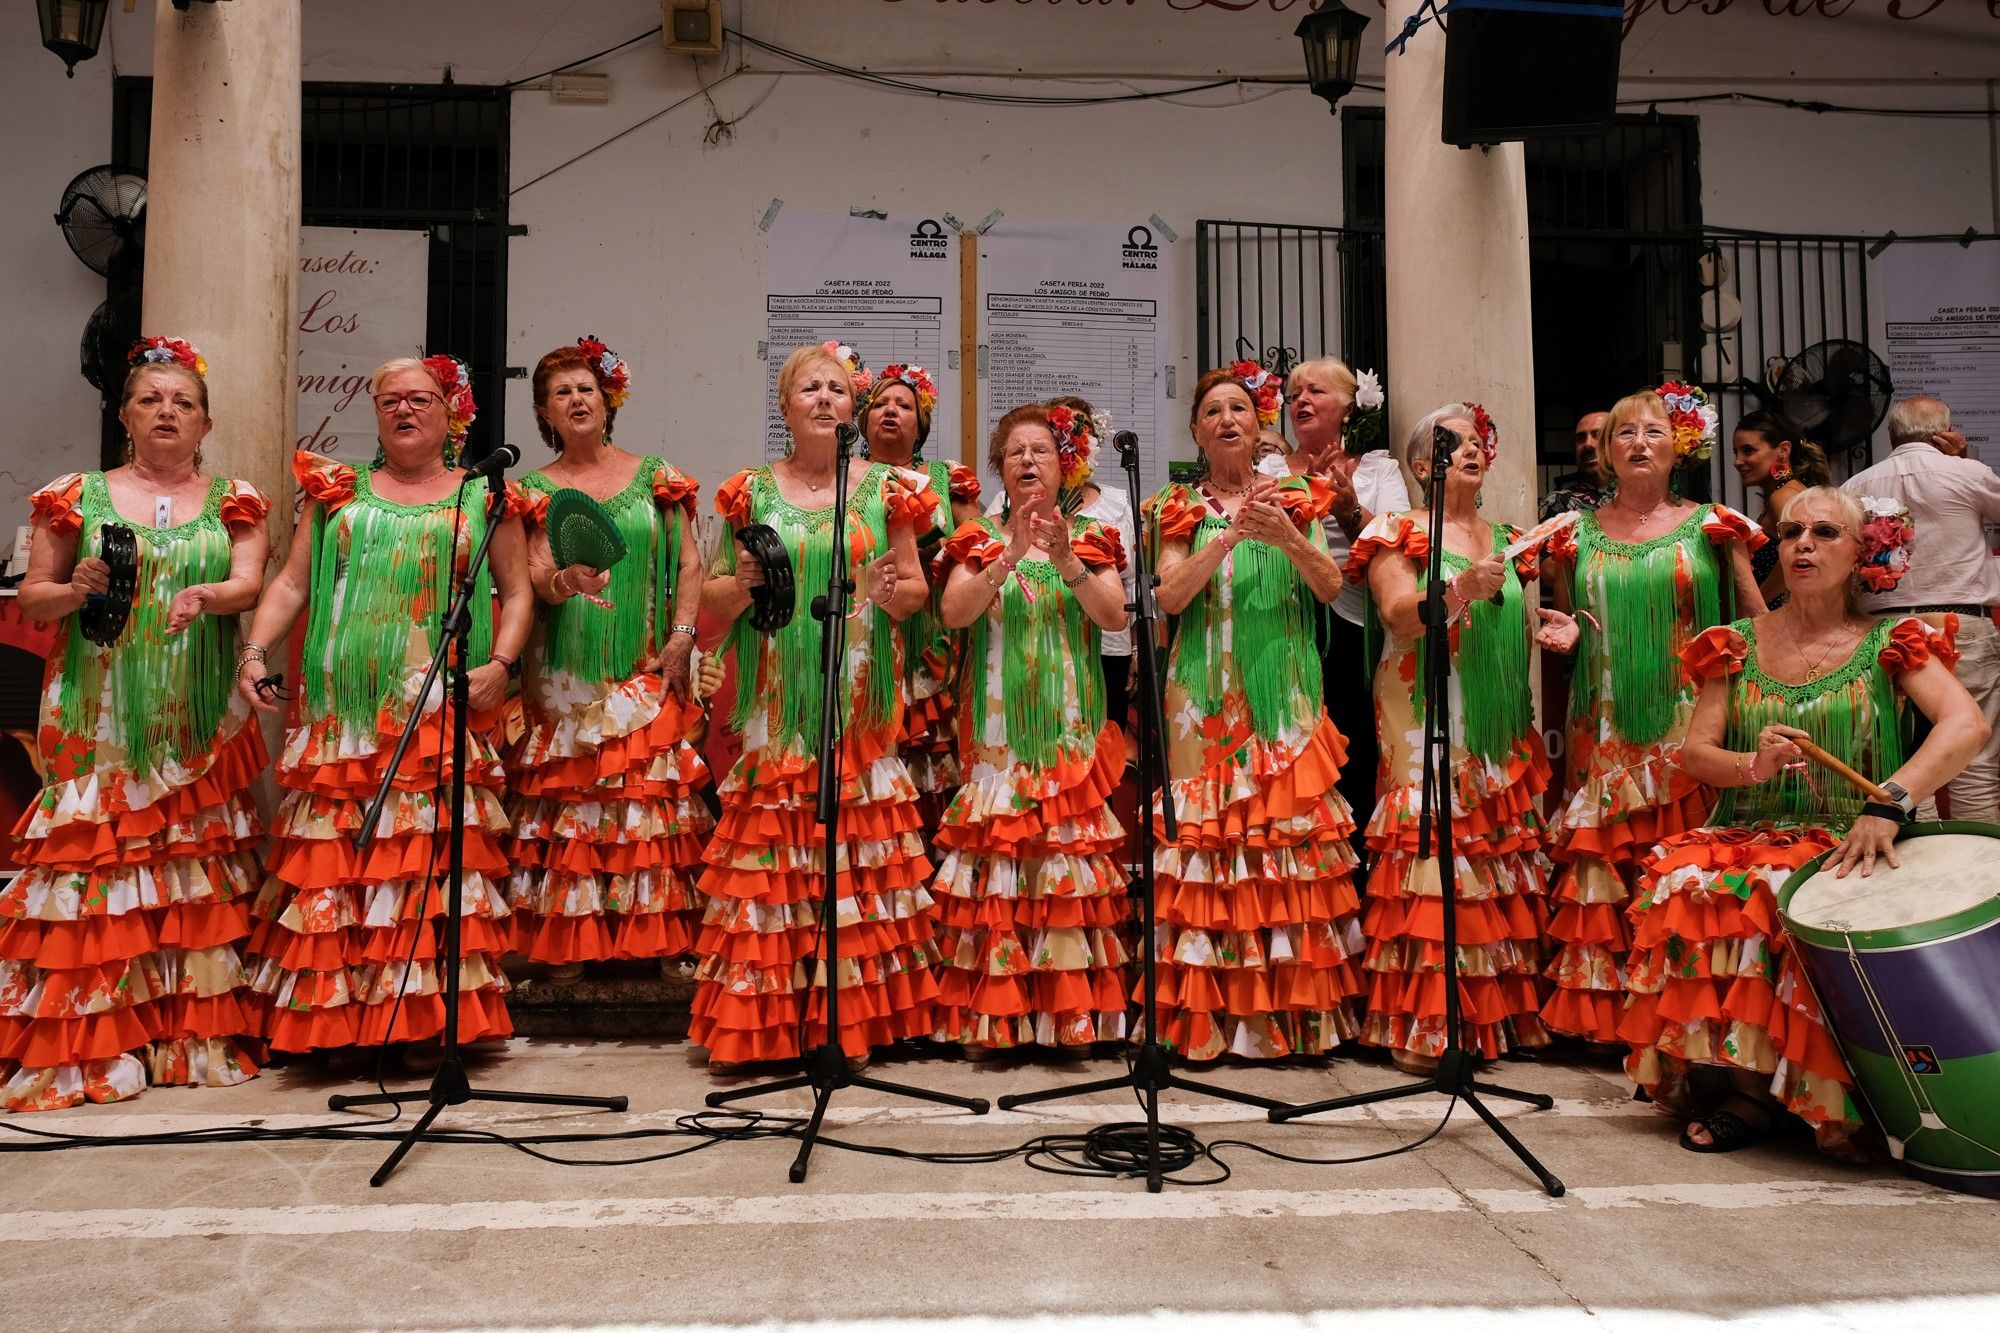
(1907, 967)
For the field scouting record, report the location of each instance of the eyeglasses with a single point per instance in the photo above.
(389, 402)
(1652, 434)
(1821, 532)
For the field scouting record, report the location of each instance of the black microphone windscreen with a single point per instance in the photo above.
(1125, 441)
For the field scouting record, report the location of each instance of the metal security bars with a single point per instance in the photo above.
(1278, 294)
(404, 156)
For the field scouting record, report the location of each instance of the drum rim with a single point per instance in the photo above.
(1935, 931)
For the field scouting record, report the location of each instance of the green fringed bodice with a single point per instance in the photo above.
(606, 644)
(1253, 622)
(925, 628)
(382, 579)
(1048, 658)
(1489, 660)
(1649, 598)
(166, 697)
(783, 669)
(1852, 713)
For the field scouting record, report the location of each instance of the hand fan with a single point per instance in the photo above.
(581, 533)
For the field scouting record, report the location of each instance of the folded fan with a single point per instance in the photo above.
(581, 533)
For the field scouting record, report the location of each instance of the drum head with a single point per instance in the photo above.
(1947, 882)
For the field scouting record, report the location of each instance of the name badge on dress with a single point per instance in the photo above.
(163, 511)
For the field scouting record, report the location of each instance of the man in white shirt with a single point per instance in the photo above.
(1950, 497)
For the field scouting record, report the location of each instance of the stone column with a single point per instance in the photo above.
(1456, 255)
(222, 224)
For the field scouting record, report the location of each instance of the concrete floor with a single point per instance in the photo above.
(1452, 1236)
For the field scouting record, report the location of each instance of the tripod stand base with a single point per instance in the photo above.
(1150, 1074)
(1452, 1078)
(450, 1087)
(825, 1071)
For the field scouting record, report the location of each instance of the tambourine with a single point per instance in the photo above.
(772, 603)
(103, 615)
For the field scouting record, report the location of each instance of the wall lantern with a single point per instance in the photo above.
(1332, 38)
(71, 28)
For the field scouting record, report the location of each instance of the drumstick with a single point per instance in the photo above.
(1861, 784)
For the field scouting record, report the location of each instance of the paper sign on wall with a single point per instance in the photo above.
(1079, 308)
(363, 299)
(887, 287)
(1943, 316)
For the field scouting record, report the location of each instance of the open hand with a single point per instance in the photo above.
(1558, 633)
(190, 603)
(1871, 837)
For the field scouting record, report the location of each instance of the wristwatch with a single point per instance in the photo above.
(1901, 796)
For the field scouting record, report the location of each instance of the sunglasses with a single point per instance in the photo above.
(1821, 532)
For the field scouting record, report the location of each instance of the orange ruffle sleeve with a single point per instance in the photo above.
(1099, 547)
(1528, 564)
(1913, 643)
(971, 545)
(1179, 511)
(1385, 532)
(327, 482)
(671, 487)
(732, 499)
(519, 504)
(1715, 654)
(243, 505)
(538, 509)
(908, 500)
(1562, 546)
(1307, 499)
(1724, 525)
(964, 484)
(58, 506)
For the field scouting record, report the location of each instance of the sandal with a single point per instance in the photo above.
(1727, 1132)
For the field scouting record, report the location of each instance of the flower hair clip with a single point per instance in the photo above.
(455, 378)
(1266, 390)
(1886, 535)
(916, 377)
(1076, 444)
(1488, 433)
(611, 369)
(857, 370)
(1363, 430)
(161, 351)
(1693, 419)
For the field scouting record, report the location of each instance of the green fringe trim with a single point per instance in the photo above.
(1635, 590)
(1490, 663)
(1853, 713)
(790, 667)
(1037, 639)
(359, 629)
(607, 644)
(168, 697)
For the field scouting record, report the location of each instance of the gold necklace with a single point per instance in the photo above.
(1640, 520)
(812, 487)
(409, 478)
(1814, 665)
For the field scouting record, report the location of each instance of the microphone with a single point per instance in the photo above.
(1125, 442)
(845, 435)
(1444, 443)
(497, 461)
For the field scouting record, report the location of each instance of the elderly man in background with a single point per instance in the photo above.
(1583, 488)
(1950, 497)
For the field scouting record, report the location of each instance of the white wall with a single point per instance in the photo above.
(652, 244)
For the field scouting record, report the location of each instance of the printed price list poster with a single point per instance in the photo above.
(1079, 308)
(888, 288)
(1943, 326)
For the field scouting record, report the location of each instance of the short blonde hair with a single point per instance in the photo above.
(1643, 403)
(397, 366)
(1851, 512)
(1330, 368)
(800, 358)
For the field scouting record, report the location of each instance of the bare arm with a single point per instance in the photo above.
(277, 610)
(1749, 598)
(912, 589)
(1392, 581)
(1183, 574)
(1266, 521)
(1958, 728)
(56, 582)
(249, 550)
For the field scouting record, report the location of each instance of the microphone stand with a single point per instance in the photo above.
(1453, 1076)
(824, 1068)
(449, 1085)
(1149, 1070)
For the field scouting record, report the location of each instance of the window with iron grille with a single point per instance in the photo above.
(400, 156)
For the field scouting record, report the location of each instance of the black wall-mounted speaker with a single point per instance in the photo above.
(1510, 74)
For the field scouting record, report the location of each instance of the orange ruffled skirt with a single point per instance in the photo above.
(760, 936)
(346, 945)
(119, 961)
(608, 829)
(1031, 902)
(1501, 916)
(1715, 982)
(1255, 923)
